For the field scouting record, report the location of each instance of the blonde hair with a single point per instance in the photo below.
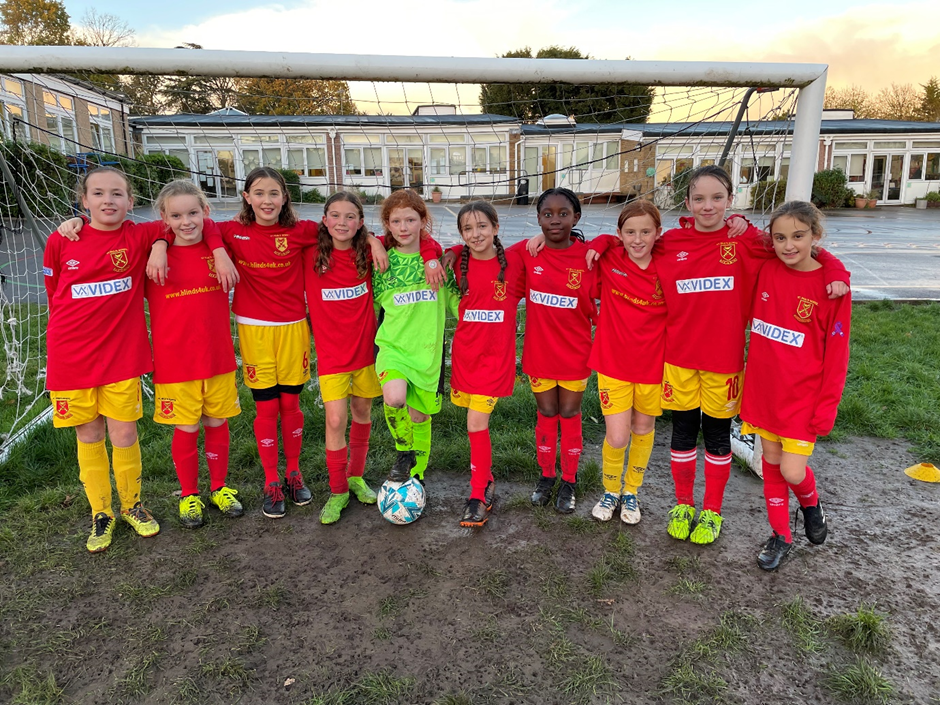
(179, 187)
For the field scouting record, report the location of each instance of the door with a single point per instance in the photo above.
(886, 171)
(416, 168)
(207, 173)
(225, 161)
(540, 165)
(406, 167)
(548, 166)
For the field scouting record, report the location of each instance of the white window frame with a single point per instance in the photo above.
(102, 128)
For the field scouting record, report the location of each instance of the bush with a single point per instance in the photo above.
(830, 190)
(293, 185)
(767, 195)
(680, 184)
(44, 178)
(312, 195)
(151, 172)
(933, 197)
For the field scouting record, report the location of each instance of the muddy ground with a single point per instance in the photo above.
(533, 608)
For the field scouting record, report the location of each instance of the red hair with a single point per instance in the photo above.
(638, 207)
(404, 198)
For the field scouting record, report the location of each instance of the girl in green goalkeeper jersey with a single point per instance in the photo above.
(410, 337)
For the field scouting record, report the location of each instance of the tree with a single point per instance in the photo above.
(145, 94)
(38, 22)
(198, 94)
(897, 102)
(930, 103)
(599, 102)
(852, 98)
(295, 96)
(104, 30)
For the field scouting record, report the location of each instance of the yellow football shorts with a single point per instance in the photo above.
(790, 445)
(423, 400)
(477, 402)
(718, 395)
(273, 355)
(184, 403)
(540, 384)
(358, 383)
(618, 396)
(119, 401)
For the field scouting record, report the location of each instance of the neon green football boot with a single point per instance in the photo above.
(333, 507)
(707, 529)
(362, 491)
(680, 521)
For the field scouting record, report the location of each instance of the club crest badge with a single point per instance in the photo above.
(251, 373)
(499, 291)
(119, 259)
(62, 408)
(727, 252)
(210, 263)
(281, 246)
(658, 290)
(166, 408)
(574, 278)
(804, 309)
(667, 391)
(605, 398)
(382, 375)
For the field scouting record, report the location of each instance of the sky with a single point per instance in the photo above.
(870, 44)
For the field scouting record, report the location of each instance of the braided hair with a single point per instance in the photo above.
(488, 212)
(572, 198)
(359, 241)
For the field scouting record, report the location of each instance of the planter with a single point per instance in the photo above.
(436, 196)
(861, 202)
(920, 204)
(872, 202)
(933, 204)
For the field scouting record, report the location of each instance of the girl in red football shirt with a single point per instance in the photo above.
(483, 354)
(796, 366)
(97, 348)
(338, 280)
(560, 311)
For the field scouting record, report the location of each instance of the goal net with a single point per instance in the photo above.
(503, 130)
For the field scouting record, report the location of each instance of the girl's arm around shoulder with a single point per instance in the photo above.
(50, 267)
(836, 275)
(835, 365)
(451, 293)
(431, 251)
(224, 266)
(598, 246)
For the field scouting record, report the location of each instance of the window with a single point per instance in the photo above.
(784, 167)
(849, 145)
(272, 157)
(309, 161)
(102, 129)
(582, 151)
(438, 163)
(932, 166)
(853, 165)
(499, 159)
(479, 160)
(362, 161)
(15, 125)
(61, 132)
(165, 141)
(606, 155)
(259, 139)
(754, 171)
(12, 86)
(916, 168)
(403, 139)
(897, 144)
(458, 160)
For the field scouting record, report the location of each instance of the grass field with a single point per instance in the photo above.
(357, 613)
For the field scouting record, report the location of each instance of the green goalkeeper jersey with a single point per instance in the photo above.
(411, 335)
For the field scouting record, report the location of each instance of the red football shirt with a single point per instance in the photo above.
(630, 340)
(798, 355)
(483, 355)
(342, 315)
(189, 319)
(560, 311)
(97, 333)
(269, 260)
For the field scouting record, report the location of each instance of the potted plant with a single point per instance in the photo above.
(436, 195)
(873, 197)
(933, 199)
(920, 203)
(861, 200)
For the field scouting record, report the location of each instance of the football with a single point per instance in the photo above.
(401, 502)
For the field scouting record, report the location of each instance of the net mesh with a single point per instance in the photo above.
(392, 141)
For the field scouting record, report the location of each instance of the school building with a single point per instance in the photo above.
(485, 156)
(71, 116)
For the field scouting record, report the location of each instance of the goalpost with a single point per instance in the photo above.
(450, 148)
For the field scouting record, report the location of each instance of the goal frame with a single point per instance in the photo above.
(810, 79)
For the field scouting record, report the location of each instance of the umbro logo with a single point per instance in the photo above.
(682, 256)
(73, 264)
(242, 237)
(764, 296)
(617, 271)
(537, 270)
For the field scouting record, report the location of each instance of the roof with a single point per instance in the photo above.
(721, 129)
(230, 121)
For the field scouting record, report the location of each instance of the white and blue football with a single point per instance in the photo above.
(401, 502)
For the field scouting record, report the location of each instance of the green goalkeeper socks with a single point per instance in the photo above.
(400, 426)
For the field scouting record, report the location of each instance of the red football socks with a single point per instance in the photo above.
(546, 443)
(683, 475)
(336, 468)
(266, 436)
(292, 430)
(217, 448)
(777, 497)
(481, 463)
(717, 472)
(186, 461)
(805, 492)
(358, 448)
(572, 442)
